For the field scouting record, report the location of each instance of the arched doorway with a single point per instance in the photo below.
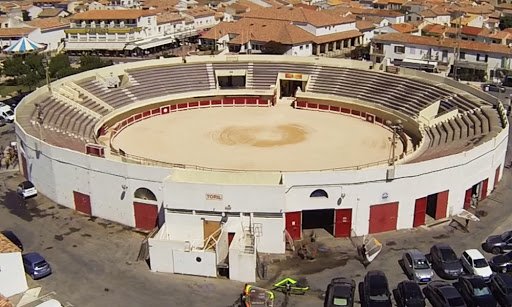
(145, 208)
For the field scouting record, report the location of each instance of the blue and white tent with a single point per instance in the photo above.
(24, 45)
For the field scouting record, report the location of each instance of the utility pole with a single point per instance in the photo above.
(456, 49)
(397, 128)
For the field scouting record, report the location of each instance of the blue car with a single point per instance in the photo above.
(36, 266)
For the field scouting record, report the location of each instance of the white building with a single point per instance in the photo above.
(12, 273)
(204, 18)
(479, 57)
(116, 31)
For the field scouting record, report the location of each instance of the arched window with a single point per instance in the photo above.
(143, 193)
(319, 193)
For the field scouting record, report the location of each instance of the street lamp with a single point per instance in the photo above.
(397, 127)
(46, 63)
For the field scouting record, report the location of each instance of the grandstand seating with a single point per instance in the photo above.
(409, 95)
(460, 133)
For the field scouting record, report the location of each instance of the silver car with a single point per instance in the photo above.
(417, 267)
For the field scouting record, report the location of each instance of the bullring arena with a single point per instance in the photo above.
(223, 157)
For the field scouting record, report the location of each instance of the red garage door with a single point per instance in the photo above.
(293, 224)
(82, 202)
(442, 204)
(383, 217)
(496, 177)
(485, 185)
(342, 222)
(145, 215)
(420, 212)
(467, 198)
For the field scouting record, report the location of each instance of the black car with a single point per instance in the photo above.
(445, 262)
(501, 263)
(376, 290)
(498, 244)
(501, 287)
(490, 87)
(340, 292)
(408, 294)
(13, 238)
(475, 291)
(441, 294)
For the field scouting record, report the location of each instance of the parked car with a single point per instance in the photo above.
(441, 294)
(445, 261)
(26, 189)
(416, 266)
(408, 294)
(491, 87)
(501, 263)
(340, 292)
(36, 266)
(376, 289)
(13, 238)
(501, 287)
(475, 263)
(475, 291)
(498, 244)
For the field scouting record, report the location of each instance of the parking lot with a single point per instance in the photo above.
(94, 261)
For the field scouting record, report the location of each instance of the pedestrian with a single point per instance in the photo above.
(467, 224)
(474, 201)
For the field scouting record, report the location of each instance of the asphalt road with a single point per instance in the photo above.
(94, 260)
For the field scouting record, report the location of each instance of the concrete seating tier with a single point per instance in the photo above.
(166, 80)
(265, 75)
(115, 97)
(460, 133)
(66, 120)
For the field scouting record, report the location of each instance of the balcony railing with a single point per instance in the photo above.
(105, 25)
(102, 30)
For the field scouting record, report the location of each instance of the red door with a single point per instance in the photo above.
(420, 211)
(145, 215)
(467, 199)
(82, 202)
(485, 185)
(442, 204)
(24, 166)
(231, 236)
(342, 222)
(293, 224)
(496, 177)
(383, 217)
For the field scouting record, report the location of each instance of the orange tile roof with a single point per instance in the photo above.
(385, 13)
(49, 23)
(364, 25)
(4, 302)
(168, 17)
(159, 3)
(200, 12)
(444, 42)
(15, 32)
(112, 14)
(251, 5)
(404, 27)
(336, 36)
(6, 246)
(473, 31)
(316, 18)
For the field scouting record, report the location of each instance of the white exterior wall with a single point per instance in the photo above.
(301, 50)
(195, 263)
(204, 22)
(52, 38)
(242, 266)
(368, 36)
(12, 274)
(319, 31)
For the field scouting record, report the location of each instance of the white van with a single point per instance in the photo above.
(50, 303)
(7, 113)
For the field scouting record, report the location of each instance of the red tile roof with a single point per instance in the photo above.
(112, 14)
(468, 30)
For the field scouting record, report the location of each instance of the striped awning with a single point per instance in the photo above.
(24, 45)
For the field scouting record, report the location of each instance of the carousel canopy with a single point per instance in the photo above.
(24, 45)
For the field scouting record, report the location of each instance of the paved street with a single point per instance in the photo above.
(94, 260)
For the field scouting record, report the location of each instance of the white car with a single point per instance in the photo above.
(26, 189)
(475, 263)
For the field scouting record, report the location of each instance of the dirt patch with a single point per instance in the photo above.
(261, 136)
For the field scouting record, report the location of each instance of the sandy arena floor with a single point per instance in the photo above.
(257, 138)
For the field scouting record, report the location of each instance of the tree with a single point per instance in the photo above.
(88, 62)
(505, 22)
(273, 47)
(30, 80)
(59, 66)
(14, 67)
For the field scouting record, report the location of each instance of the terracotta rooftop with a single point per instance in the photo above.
(6, 246)
(112, 14)
(316, 18)
(238, 8)
(428, 14)
(15, 32)
(384, 13)
(49, 12)
(168, 17)
(336, 36)
(159, 3)
(251, 5)
(473, 31)
(4, 302)
(200, 12)
(444, 42)
(404, 27)
(49, 23)
(364, 25)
